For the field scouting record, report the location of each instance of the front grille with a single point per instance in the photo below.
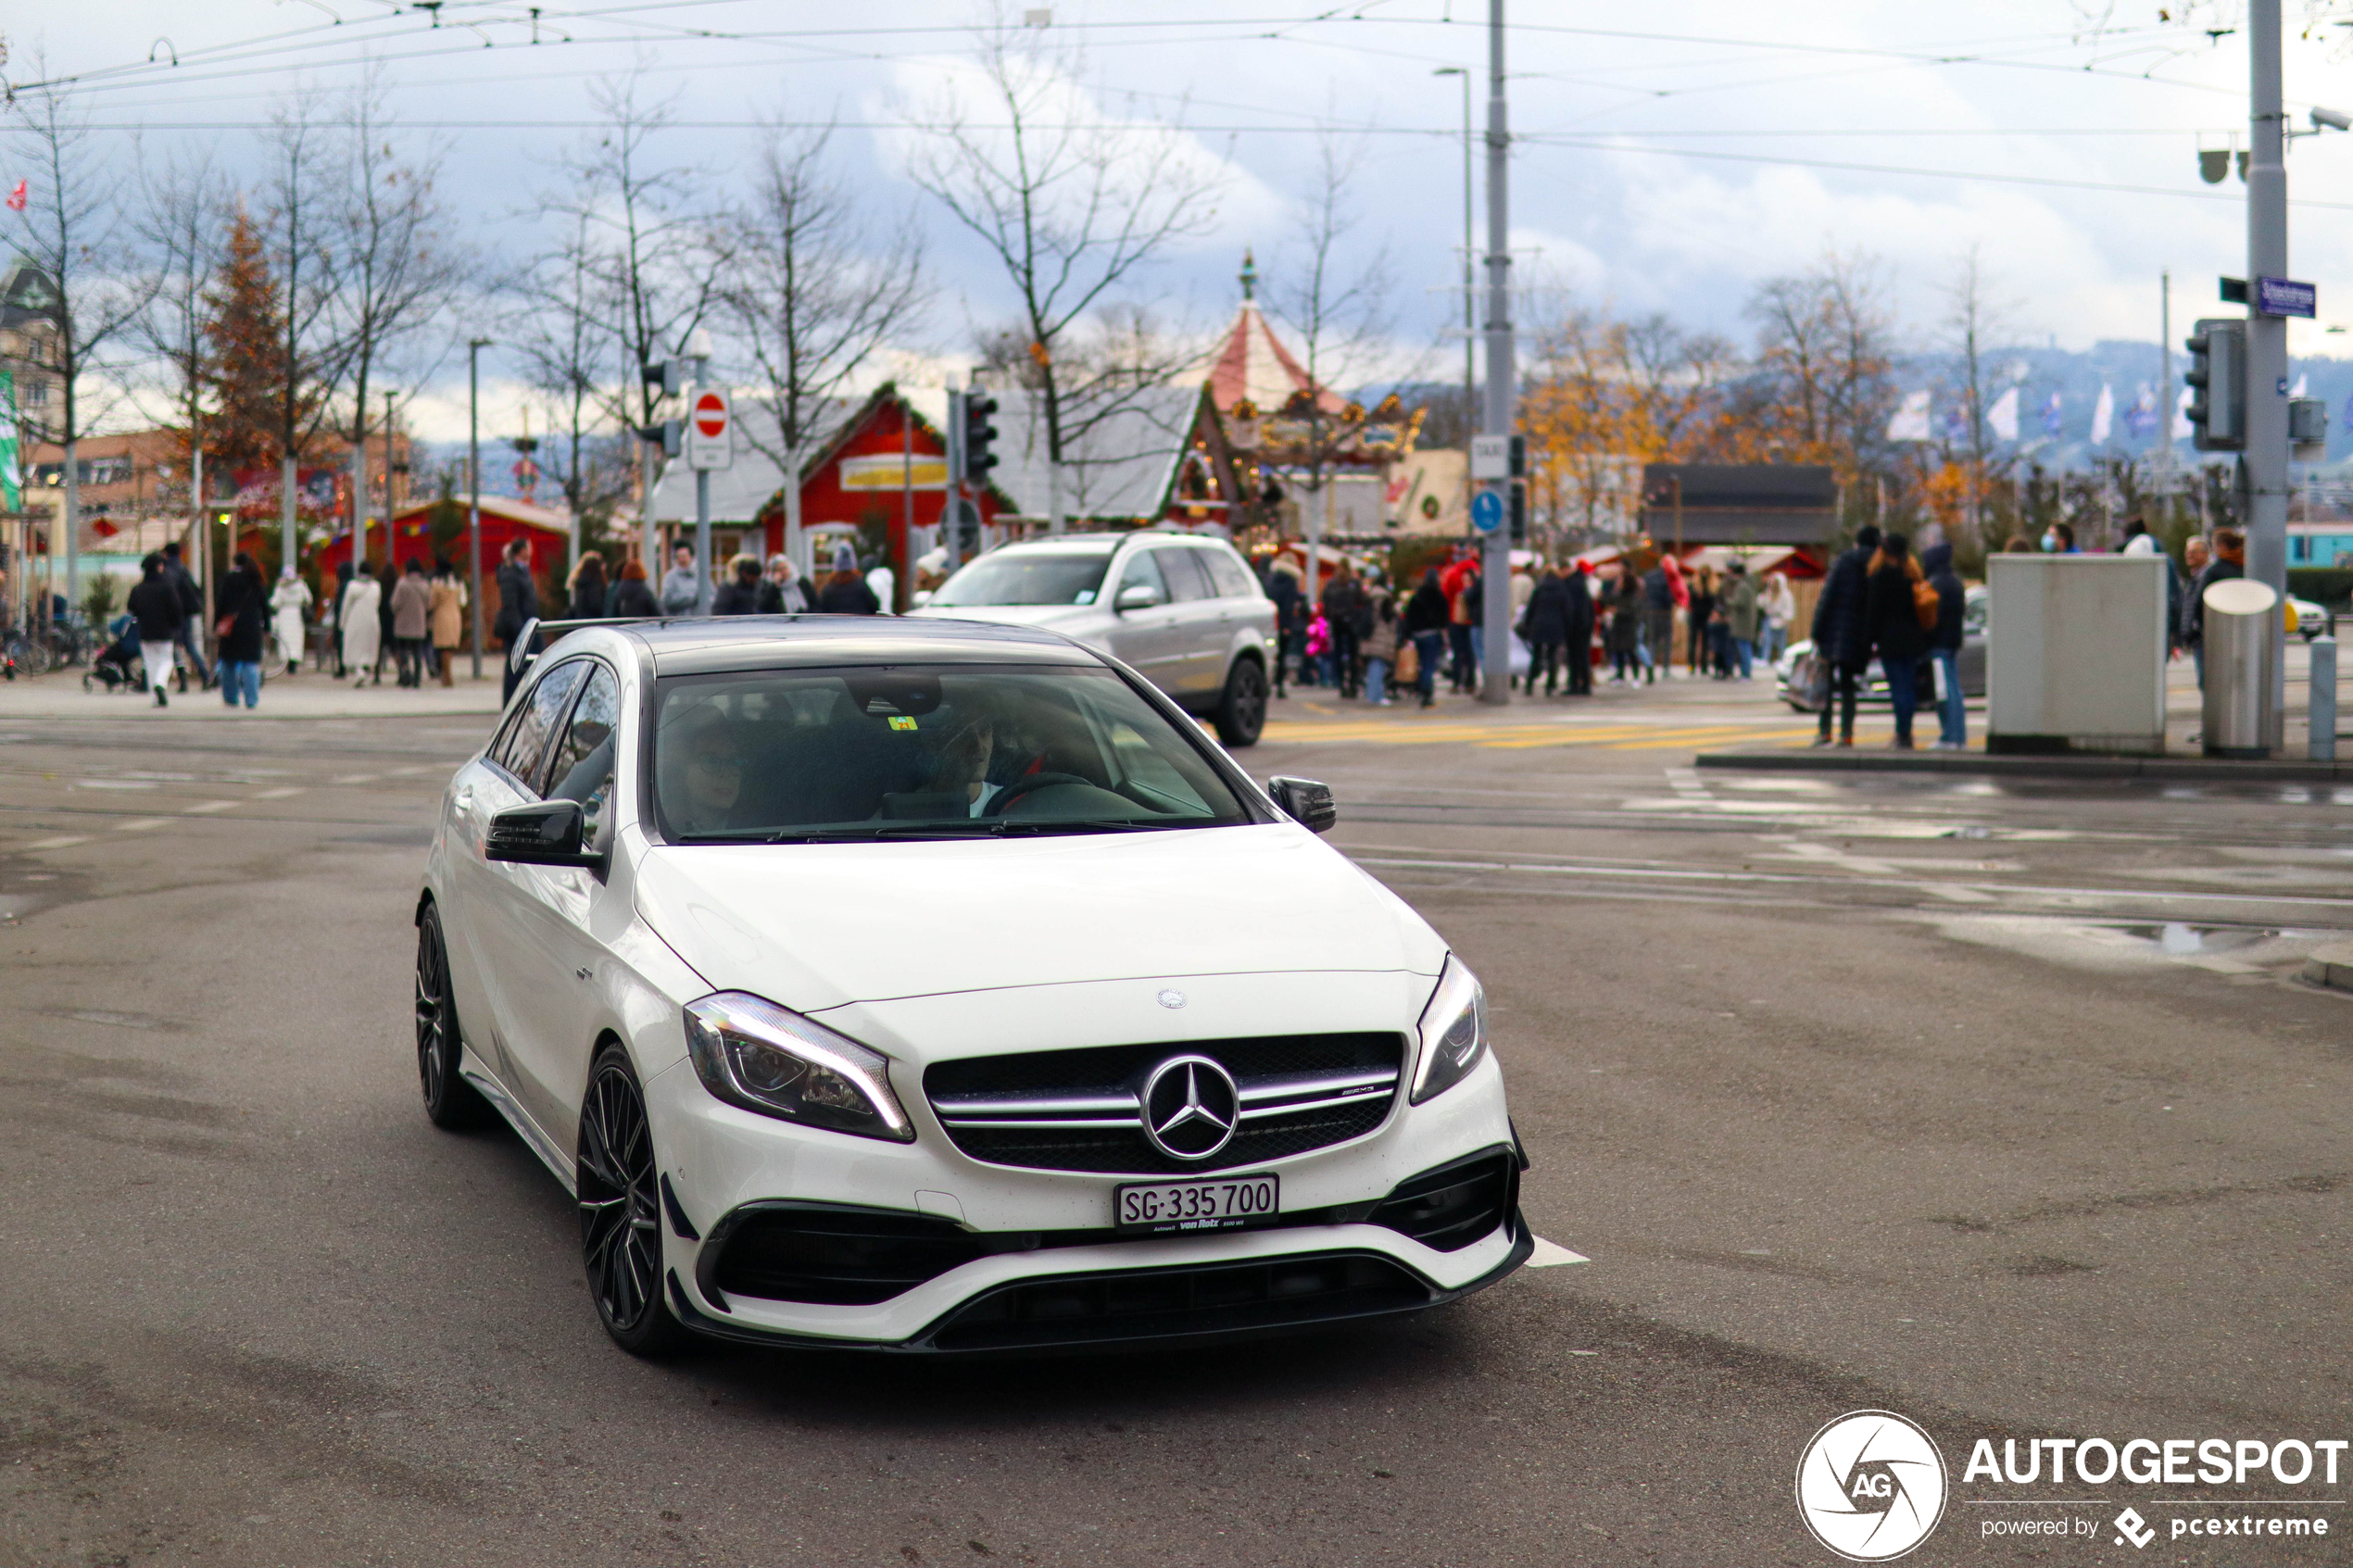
(1174, 1303)
(1077, 1110)
(835, 1256)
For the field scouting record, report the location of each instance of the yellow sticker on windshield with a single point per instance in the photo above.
(900, 722)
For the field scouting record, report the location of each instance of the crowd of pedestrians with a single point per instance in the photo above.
(1364, 635)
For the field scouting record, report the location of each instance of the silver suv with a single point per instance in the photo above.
(1182, 611)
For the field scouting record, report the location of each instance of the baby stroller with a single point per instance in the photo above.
(119, 667)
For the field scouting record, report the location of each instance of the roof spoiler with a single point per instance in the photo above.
(523, 649)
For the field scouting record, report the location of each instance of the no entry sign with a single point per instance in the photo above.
(709, 444)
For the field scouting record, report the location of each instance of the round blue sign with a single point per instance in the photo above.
(1487, 512)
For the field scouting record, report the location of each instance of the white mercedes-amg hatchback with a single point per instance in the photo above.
(938, 986)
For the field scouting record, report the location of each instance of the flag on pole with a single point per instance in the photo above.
(1910, 422)
(2181, 426)
(2003, 415)
(2051, 422)
(17, 198)
(2103, 415)
(2301, 382)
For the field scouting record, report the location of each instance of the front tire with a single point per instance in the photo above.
(620, 1210)
(451, 1103)
(1242, 712)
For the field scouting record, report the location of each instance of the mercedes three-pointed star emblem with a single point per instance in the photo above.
(1191, 1107)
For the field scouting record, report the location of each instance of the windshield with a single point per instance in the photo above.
(910, 751)
(1028, 577)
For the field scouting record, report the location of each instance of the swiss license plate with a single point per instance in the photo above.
(1214, 1204)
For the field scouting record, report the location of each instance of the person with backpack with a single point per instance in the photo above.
(1898, 620)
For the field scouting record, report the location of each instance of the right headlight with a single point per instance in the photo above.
(752, 1053)
(1453, 1032)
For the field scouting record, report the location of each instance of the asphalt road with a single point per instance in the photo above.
(1998, 1106)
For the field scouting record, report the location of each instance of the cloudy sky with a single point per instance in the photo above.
(1670, 159)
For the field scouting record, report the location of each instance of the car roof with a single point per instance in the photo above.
(710, 645)
(1101, 541)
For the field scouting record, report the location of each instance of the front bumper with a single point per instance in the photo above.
(1031, 1261)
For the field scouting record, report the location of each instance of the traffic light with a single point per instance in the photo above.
(2218, 383)
(1519, 505)
(669, 434)
(1520, 456)
(669, 376)
(979, 434)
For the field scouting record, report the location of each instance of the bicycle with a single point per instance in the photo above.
(23, 655)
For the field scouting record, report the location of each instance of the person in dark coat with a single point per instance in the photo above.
(1425, 622)
(191, 611)
(846, 591)
(633, 595)
(1944, 646)
(1545, 625)
(389, 644)
(1291, 629)
(244, 606)
(154, 604)
(1891, 615)
(740, 594)
(1576, 601)
(589, 591)
(343, 591)
(2230, 561)
(1839, 640)
(518, 603)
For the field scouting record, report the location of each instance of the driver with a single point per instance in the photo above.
(712, 778)
(961, 766)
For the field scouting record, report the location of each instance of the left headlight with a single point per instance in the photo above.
(1453, 1032)
(754, 1054)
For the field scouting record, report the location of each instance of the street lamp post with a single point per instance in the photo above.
(474, 486)
(1495, 685)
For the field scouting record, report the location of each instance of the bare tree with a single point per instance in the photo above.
(817, 294)
(567, 347)
(1973, 322)
(1070, 211)
(183, 216)
(1339, 314)
(76, 229)
(1820, 390)
(1103, 374)
(301, 223)
(398, 270)
(651, 243)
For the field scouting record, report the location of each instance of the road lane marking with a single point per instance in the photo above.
(281, 793)
(1550, 1255)
(203, 806)
(138, 824)
(356, 779)
(60, 843)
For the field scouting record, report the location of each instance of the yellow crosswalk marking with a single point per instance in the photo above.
(1517, 737)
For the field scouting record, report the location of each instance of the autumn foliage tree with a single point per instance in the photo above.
(244, 326)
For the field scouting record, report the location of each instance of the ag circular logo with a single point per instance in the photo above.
(1191, 1107)
(1171, 998)
(1870, 1485)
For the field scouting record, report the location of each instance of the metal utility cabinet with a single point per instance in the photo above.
(2075, 652)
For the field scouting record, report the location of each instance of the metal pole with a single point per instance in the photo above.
(474, 486)
(1495, 685)
(73, 528)
(2165, 387)
(2321, 699)
(702, 508)
(907, 495)
(2266, 453)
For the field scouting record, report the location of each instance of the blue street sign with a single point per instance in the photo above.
(1487, 512)
(2284, 296)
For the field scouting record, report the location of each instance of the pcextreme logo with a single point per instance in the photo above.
(1870, 1485)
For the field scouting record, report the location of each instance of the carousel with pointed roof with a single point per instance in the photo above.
(1270, 440)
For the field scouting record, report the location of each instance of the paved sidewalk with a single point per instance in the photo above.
(307, 695)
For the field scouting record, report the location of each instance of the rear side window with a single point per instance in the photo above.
(1188, 579)
(1233, 578)
(526, 740)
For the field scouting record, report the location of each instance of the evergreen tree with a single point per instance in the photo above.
(243, 324)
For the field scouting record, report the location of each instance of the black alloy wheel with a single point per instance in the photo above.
(1242, 713)
(620, 1209)
(451, 1103)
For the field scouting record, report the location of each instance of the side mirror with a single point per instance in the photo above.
(1305, 802)
(1138, 596)
(546, 832)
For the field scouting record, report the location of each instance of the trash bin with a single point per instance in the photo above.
(2242, 620)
